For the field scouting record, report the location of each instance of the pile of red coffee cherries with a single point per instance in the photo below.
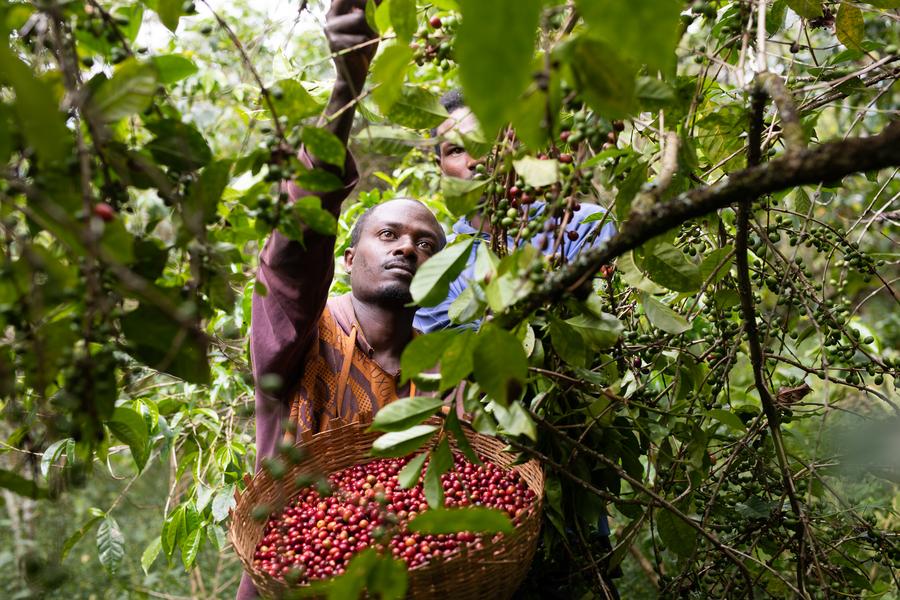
(315, 536)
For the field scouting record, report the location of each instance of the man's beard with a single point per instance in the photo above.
(393, 296)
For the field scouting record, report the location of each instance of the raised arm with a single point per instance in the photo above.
(296, 276)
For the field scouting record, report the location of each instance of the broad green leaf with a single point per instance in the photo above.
(21, 486)
(461, 195)
(537, 173)
(128, 92)
(404, 413)
(110, 544)
(457, 360)
(171, 528)
(172, 68)
(416, 108)
(716, 260)
(150, 553)
(51, 454)
(204, 196)
(568, 343)
(222, 502)
(607, 85)
(161, 344)
(634, 277)
(129, 427)
(403, 18)
(169, 11)
(676, 535)
(808, 9)
(39, 117)
(324, 145)
(318, 180)
(475, 519)
(388, 579)
(432, 281)
(423, 353)
(515, 420)
(388, 73)
(669, 267)
(529, 119)
(775, 17)
(653, 94)
(351, 583)
(755, 508)
(727, 418)
(308, 210)
(401, 443)
(663, 317)
(291, 100)
(494, 48)
(601, 330)
(190, 547)
(441, 461)
(409, 474)
(178, 145)
(644, 32)
(848, 26)
(465, 308)
(76, 537)
(501, 365)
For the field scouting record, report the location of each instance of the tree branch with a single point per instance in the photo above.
(826, 162)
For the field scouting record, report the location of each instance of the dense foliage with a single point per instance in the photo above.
(720, 377)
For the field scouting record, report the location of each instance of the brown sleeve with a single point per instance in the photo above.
(296, 278)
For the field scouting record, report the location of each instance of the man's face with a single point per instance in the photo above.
(396, 238)
(454, 159)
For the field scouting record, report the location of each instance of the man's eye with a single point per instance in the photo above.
(455, 150)
(427, 245)
(388, 234)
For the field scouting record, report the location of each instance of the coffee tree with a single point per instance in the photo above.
(718, 376)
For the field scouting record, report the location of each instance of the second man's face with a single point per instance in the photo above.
(454, 160)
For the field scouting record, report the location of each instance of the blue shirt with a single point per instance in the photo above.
(434, 318)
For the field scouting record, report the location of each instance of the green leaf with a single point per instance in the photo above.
(110, 545)
(169, 11)
(607, 85)
(644, 32)
(668, 266)
(191, 547)
(291, 100)
(634, 277)
(432, 281)
(475, 519)
(324, 145)
(457, 361)
(515, 420)
(37, 112)
(501, 365)
(388, 579)
(416, 108)
(150, 553)
(676, 535)
(351, 583)
(568, 343)
(129, 427)
(204, 196)
(601, 330)
(536, 172)
(728, 418)
(309, 211)
(441, 461)
(808, 9)
(174, 523)
(713, 261)
(21, 486)
(401, 443)
(403, 18)
(422, 353)
(775, 17)
(172, 68)
(161, 344)
(318, 180)
(494, 48)
(178, 145)
(388, 73)
(76, 537)
(663, 317)
(404, 413)
(128, 92)
(461, 195)
(51, 454)
(653, 94)
(222, 502)
(462, 442)
(409, 474)
(848, 26)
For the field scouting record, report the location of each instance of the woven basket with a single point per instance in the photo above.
(493, 572)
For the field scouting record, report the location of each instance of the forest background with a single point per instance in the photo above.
(727, 391)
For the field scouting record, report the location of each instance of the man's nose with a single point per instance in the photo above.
(404, 247)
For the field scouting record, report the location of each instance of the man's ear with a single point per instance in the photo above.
(349, 253)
